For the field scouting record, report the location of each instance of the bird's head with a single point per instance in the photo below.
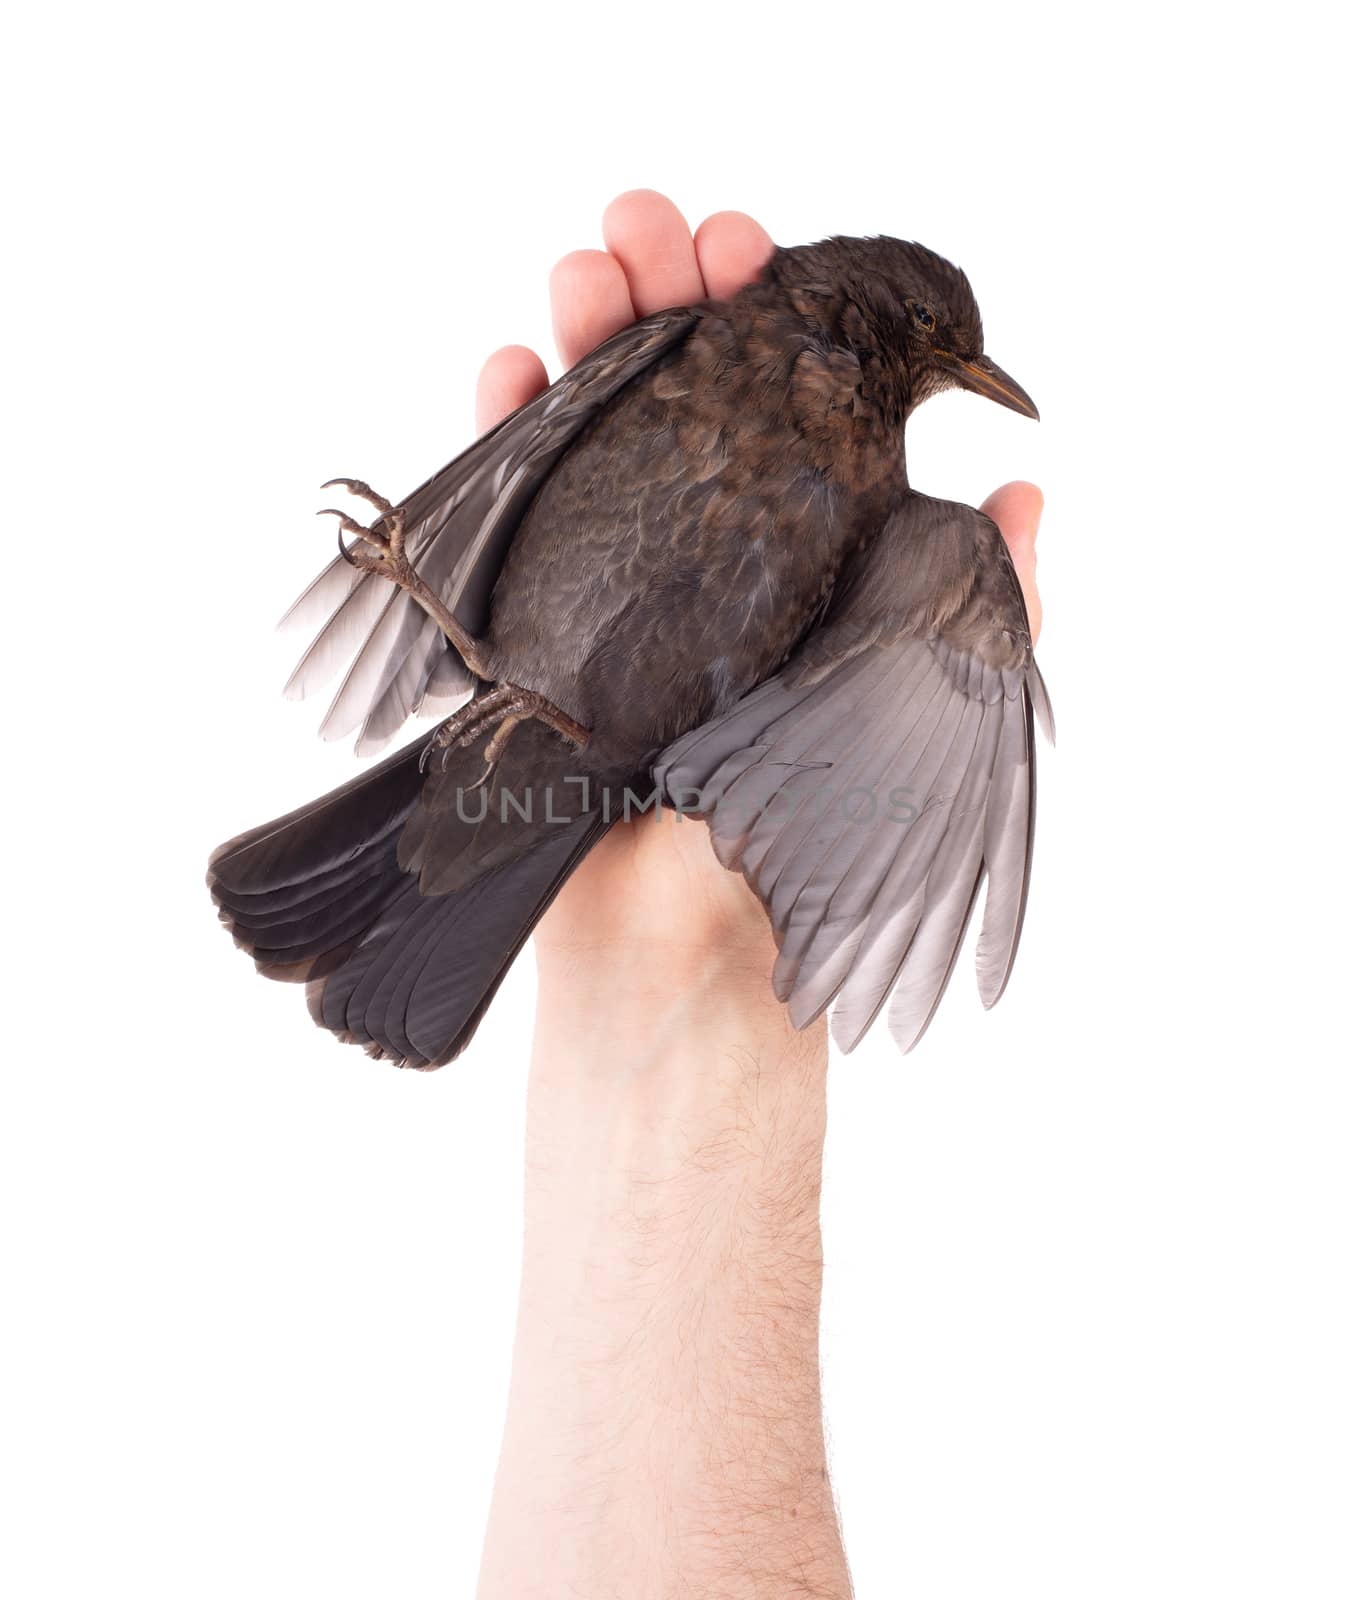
(906, 306)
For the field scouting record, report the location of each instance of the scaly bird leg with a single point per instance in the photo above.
(503, 709)
(390, 560)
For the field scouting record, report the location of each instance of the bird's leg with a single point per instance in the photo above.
(502, 709)
(508, 704)
(387, 558)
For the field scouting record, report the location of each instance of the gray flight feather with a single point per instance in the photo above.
(868, 790)
(459, 526)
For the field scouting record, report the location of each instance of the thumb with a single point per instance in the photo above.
(1015, 509)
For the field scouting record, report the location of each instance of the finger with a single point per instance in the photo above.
(589, 300)
(509, 378)
(1016, 509)
(732, 250)
(653, 242)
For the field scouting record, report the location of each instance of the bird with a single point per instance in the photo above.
(689, 575)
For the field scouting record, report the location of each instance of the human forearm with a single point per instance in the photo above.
(664, 1431)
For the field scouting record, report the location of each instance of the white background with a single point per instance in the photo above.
(1094, 1309)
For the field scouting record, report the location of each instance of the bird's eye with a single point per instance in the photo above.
(924, 316)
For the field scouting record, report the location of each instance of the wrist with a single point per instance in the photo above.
(649, 1081)
(652, 902)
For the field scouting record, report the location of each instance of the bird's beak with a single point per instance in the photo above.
(984, 377)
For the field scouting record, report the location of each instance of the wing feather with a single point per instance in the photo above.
(818, 946)
(459, 525)
(337, 638)
(401, 686)
(1009, 848)
(840, 931)
(361, 682)
(919, 702)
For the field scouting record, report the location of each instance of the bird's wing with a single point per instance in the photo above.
(459, 526)
(867, 790)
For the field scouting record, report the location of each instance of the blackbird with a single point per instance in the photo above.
(689, 574)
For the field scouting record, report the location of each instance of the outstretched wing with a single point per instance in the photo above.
(459, 526)
(867, 790)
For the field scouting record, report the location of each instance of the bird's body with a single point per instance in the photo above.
(692, 535)
(698, 554)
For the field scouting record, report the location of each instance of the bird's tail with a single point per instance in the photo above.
(332, 896)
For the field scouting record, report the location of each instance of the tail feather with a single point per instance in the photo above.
(417, 986)
(318, 843)
(302, 889)
(312, 909)
(322, 897)
(299, 898)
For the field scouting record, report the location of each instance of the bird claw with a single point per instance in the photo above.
(362, 491)
(504, 709)
(350, 525)
(424, 760)
(458, 730)
(389, 559)
(386, 562)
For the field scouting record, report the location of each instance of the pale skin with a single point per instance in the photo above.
(664, 1435)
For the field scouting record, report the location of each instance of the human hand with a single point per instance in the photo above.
(652, 261)
(669, 1315)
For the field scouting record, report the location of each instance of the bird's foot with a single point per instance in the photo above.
(386, 557)
(379, 550)
(501, 710)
